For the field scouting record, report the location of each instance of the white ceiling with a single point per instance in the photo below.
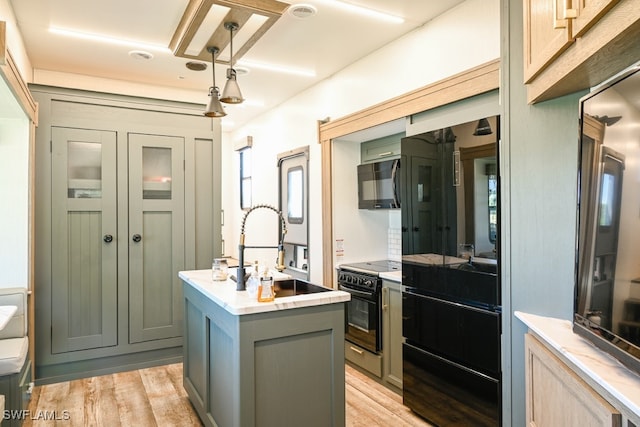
(324, 44)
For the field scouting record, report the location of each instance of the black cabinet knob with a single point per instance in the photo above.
(108, 238)
(136, 238)
(416, 228)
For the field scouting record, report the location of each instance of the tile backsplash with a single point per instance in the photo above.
(394, 238)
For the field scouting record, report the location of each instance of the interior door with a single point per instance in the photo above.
(294, 205)
(156, 236)
(84, 247)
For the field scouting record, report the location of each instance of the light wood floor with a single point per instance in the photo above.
(155, 397)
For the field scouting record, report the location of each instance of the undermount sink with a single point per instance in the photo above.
(291, 287)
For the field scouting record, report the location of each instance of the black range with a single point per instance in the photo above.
(363, 314)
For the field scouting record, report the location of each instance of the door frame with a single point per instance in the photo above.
(475, 81)
(296, 152)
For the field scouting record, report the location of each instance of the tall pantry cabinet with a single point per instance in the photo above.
(127, 195)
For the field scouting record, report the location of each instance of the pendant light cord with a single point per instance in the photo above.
(213, 65)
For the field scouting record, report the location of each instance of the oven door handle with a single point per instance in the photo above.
(368, 295)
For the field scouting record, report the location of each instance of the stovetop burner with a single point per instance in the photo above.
(373, 267)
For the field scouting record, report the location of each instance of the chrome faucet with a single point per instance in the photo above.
(241, 277)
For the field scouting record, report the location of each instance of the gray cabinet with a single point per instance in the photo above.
(156, 236)
(85, 264)
(392, 338)
(384, 148)
(273, 368)
(128, 195)
(84, 255)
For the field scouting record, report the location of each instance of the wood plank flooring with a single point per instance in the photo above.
(155, 397)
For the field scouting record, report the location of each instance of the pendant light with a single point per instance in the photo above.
(214, 108)
(483, 128)
(231, 93)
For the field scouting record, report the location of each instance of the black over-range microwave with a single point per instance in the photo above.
(379, 185)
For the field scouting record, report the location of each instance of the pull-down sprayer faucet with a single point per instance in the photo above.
(241, 277)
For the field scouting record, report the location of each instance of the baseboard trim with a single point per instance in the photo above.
(106, 365)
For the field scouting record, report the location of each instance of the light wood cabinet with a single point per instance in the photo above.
(587, 13)
(556, 396)
(571, 45)
(546, 34)
(551, 26)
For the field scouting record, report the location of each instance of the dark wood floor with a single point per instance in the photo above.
(155, 397)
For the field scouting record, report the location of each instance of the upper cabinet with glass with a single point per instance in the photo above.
(84, 169)
(156, 173)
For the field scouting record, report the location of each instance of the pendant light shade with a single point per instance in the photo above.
(483, 128)
(231, 93)
(214, 108)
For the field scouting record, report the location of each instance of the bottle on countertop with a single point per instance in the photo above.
(253, 282)
(265, 290)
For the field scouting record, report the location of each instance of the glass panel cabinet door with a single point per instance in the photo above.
(84, 247)
(156, 173)
(156, 236)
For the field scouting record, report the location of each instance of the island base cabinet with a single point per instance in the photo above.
(279, 368)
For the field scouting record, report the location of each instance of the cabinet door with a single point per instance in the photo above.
(556, 396)
(392, 332)
(84, 247)
(546, 34)
(588, 12)
(156, 236)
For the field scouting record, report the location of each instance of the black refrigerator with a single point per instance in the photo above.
(451, 293)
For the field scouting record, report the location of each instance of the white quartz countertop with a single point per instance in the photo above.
(238, 302)
(394, 276)
(433, 259)
(595, 366)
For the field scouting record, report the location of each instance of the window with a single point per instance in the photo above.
(295, 195)
(245, 178)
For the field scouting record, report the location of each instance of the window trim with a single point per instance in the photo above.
(244, 178)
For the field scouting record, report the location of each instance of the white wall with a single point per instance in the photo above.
(449, 44)
(14, 187)
(14, 41)
(362, 233)
(14, 167)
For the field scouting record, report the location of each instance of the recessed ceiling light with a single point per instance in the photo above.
(108, 39)
(140, 54)
(365, 11)
(277, 68)
(302, 11)
(196, 66)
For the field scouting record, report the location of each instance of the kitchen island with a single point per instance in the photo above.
(249, 363)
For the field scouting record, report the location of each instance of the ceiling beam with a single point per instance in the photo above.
(239, 11)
